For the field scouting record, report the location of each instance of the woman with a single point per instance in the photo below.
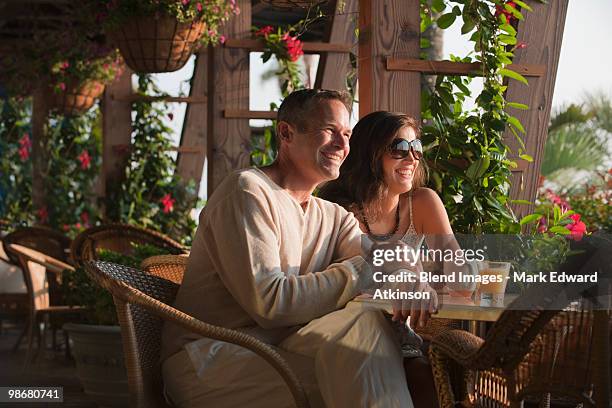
(382, 182)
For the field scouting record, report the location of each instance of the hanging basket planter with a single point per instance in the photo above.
(294, 4)
(75, 100)
(152, 45)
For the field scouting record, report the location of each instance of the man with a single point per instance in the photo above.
(273, 261)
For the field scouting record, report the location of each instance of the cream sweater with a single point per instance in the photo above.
(261, 263)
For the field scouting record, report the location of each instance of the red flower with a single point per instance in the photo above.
(25, 145)
(84, 159)
(62, 86)
(521, 45)
(577, 228)
(85, 217)
(43, 215)
(264, 31)
(542, 227)
(500, 9)
(294, 47)
(185, 2)
(168, 203)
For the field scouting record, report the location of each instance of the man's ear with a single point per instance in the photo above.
(284, 131)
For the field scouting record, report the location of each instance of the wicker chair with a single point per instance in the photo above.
(50, 243)
(35, 266)
(118, 238)
(528, 355)
(170, 267)
(142, 302)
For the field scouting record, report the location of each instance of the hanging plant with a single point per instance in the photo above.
(161, 35)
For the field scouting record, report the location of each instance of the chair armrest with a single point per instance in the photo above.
(52, 264)
(131, 295)
(459, 345)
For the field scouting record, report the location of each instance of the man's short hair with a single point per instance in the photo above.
(297, 106)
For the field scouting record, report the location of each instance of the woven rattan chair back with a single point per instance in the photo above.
(141, 331)
(171, 267)
(119, 238)
(46, 240)
(142, 302)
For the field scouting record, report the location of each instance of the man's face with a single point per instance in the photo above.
(319, 149)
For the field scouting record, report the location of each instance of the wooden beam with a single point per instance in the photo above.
(148, 98)
(308, 47)
(390, 27)
(125, 148)
(248, 114)
(542, 29)
(334, 68)
(191, 166)
(229, 140)
(456, 68)
(116, 129)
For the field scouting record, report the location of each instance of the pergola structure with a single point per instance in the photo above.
(216, 124)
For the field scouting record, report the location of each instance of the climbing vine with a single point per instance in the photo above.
(470, 163)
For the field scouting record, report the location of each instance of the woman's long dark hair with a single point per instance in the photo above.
(361, 180)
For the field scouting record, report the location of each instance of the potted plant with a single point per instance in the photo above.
(78, 80)
(161, 35)
(96, 343)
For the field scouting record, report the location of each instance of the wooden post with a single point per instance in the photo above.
(116, 131)
(542, 31)
(191, 165)
(229, 140)
(388, 28)
(334, 67)
(40, 154)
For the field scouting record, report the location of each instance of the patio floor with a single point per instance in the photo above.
(50, 369)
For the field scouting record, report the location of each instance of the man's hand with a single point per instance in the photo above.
(419, 310)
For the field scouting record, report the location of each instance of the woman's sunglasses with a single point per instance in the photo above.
(400, 148)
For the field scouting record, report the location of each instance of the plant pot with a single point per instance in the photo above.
(98, 352)
(75, 99)
(294, 4)
(150, 45)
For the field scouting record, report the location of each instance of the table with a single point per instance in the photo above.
(451, 307)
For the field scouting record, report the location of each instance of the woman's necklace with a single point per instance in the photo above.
(381, 237)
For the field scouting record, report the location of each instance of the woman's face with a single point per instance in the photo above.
(399, 173)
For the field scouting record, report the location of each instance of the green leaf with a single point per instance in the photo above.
(523, 5)
(521, 202)
(517, 14)
(478, 168)
(516, 123)
(517, 105)
(446, 20)
(438, 6)
(467, 27)
(567, 213)
(514, 75)
(508, 29)
(425, 43)
(531, 218)
(526, 157)
(557, 213)
(557, 229)
(507, 39)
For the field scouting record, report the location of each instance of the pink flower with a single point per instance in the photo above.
(577, 228)
(85, 217)
(294, 47)
(85, 160)
(199, 7)
(542, 227)
(264, 31)
(78, 225)
(25, 145)
(24, 154)
(168, 203)
(62, 86)
(237, 10)
(64, 65)
(185, 2)
(521, 45)
(43, 215)
(500, 9)
(222, 39)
